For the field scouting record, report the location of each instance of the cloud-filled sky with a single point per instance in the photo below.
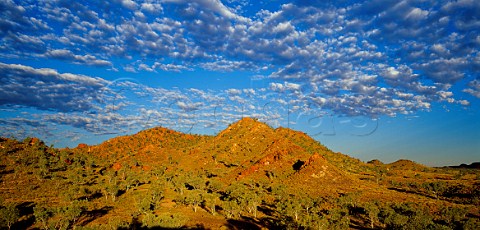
(375, 79)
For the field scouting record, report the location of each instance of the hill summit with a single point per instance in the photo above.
(246, 149)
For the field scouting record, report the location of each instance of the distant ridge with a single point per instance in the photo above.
(474, 165)
(375, 162)
(406, 164)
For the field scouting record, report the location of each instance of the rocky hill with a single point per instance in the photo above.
(246, 150)
(249, 176)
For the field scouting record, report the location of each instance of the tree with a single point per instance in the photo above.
(112, 189)
(314, 221)
(193, 198)
(244, 196)
(41, 216)
(231, 208)
(372, 211)
(149, 220)
(214, 186)
(9, 215)
(396, 221)
(58, 220)
(290, 207)
(453, 216)
(164, 220)
(178, 183)
(306, 202)
(149, 202)
(252, 200)
(406, 216)
(421, 220)
(43, 164)
(159, 172)
(380, 173)
(118, 222)
(156, 193)
(210, 201)
(436, 188)
(196, 182)
(279, 191)
(471, 223)
(338, 218)
(73, 211)
(131, 179)
(348, 200)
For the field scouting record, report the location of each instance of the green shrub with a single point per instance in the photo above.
(164, 220)
(471, 224)
(41, 216)
(9, 215)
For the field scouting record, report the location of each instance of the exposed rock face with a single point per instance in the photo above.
(35, 141)
(117, 166)
(317, 167)
(277, 156)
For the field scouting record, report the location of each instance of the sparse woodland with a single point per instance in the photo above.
(249, 176)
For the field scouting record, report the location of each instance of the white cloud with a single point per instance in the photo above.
(46, 89)
(369, 58)
(64, 54)
(464, 102)
(154, 8)
(145, 67)
(228, 66)
(444, 70)
(283, 27)
(234, 91)
(170, 67)
(440, 49)
(417, 14)
(129, 4)
(473, 88)
(213, 5)
(189, 106)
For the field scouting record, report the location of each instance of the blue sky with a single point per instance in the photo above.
(373, 79)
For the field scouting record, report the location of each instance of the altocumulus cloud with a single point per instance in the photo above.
(371, 58)
(46, 89)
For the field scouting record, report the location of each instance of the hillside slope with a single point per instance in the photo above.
(249, 176)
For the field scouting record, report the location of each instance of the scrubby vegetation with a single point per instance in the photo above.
(248, 176)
